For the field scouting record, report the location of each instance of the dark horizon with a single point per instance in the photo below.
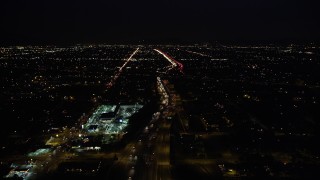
(74, 22)
(168, 42)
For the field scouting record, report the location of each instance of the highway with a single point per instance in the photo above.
(116, 76)
(147, 157)
(124, 167)
(173, 62)
(162, 148)
(162, 152)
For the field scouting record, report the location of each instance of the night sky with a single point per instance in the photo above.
(165, 21)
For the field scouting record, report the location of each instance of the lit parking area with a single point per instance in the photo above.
(24, 171)
(100, 110)
(111, 119)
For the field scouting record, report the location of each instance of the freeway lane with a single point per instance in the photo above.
(162, 152)
(116, 76)
(162, 148)
(124, 167)
(174, 62)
